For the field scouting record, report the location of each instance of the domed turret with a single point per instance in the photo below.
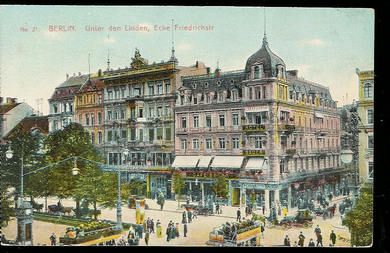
(264, 63)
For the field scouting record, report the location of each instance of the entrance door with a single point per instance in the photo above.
(236, 197)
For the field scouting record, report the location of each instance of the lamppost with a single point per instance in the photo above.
(24, 209)
(119, 225)
(349, 156)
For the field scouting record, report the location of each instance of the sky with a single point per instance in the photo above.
(325, 45)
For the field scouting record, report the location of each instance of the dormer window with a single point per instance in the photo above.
(194, 85)
(219, 83)
(257, 71)
(206, 85)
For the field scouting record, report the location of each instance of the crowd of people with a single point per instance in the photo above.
(319, 243)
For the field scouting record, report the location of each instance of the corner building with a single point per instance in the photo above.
(274, 135)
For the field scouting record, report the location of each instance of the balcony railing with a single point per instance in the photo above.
(254, 128)
(287, 127)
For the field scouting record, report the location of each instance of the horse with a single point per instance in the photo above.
(37, 206)
(60, 209)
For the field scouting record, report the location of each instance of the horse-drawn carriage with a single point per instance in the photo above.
(303, 218)
(36, 206)
(59, 209)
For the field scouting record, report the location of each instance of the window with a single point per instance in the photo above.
(99, 118)
(159, 133)
(250, 93)
(235, 119)
(370, 170)
(220, 96)
(55, 108)
(208, 120)
(196, 121)
(151, 135)
(264, 90)
(124, 134)
(167, 111)
(141, 135)
(100, 137)
(195, 144)
(109, 94)
(258, 142)
(236, 143)
(137, 91)
(159, 88)
(140, 112)
(256, 74)
(183, 122)
(367, 90)
(195, 100)
(159, 111)
(221, 120)
(370, 116)
(168, 135)
(183, 144)
(123, 92)
(151, 89)
(109, 135)
(87, 119)
(151, 112)
(370, 143)
(81, 119)
(116, 94)
(222, 143)
(167, 86)
(208, 144)
(208, 100)
(92, 119)
(282, 166)
(122, 114)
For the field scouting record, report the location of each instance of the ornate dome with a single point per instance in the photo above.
(267, 58)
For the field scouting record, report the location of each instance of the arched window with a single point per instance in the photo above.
(367, 90)
(256, 73)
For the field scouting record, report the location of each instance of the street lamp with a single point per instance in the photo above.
(119, 225)
(346, 156)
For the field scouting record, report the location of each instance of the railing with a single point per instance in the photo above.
(254, 128)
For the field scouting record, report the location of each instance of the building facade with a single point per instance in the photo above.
(139, 116)
(61, 103)
(275, 134)
(89, 110)
(366, 126)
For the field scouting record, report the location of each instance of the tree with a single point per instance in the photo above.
(360, 219)
(73, 140)
(178, 185)
(219, 186)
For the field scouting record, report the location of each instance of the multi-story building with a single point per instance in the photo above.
(61, 102)
(276, 135)
(366, 126)
(138, 115)
(11, 114)
(89, 110)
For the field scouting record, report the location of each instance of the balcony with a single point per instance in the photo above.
(291, 152)
(287, 127)
(253, 152)
(254, 128)
(181, 131)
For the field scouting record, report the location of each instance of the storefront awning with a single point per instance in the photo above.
(185, 162)
(319, 115)
(233, 162)
(204, 161)
(256, 164)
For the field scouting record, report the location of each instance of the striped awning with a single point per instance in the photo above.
(185, 162)
(232, 162)
(256, 163)
(204, 161)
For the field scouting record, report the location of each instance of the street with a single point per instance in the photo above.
(198, 230)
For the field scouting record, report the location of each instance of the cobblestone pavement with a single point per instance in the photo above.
(198, 230)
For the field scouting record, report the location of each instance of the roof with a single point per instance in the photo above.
(7, 107)
(91, 85)
(74, 81)
(307, 87)
(267, 58)
(31, 123)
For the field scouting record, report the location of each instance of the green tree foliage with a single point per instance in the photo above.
(360, 219)
(219, 186)
(178, 185)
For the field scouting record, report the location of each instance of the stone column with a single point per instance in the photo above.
(190, 188)
(289, 197)
(202, 188)
(276, 198)
(230, 193)
(266, 201)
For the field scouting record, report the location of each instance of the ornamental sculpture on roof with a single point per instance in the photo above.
(137, 61)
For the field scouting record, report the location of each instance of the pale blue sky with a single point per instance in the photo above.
(324, 44)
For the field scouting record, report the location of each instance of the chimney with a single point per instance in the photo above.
(293, 73)
(67, 76)
(79, 73)
(11, 100)
(208, 70)
(99, 73)
(197, 64)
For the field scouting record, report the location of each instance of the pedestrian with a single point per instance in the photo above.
(147, 238)
(53, 239)
(311, 243)
(279, 210)
(168, 232)
(148, 224)
(301, 240)
(319, 240)
(287, 241)
(262, 229)
(332, 237)
(317, 230)
(158, 229)
(145, 225)
(263, 209)
(184, 217)
(284, 211)
(152, 226)
(185, 229)
(195, 215)
(238, 215)
(189, 216)
(295, 244)
(217, 208)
